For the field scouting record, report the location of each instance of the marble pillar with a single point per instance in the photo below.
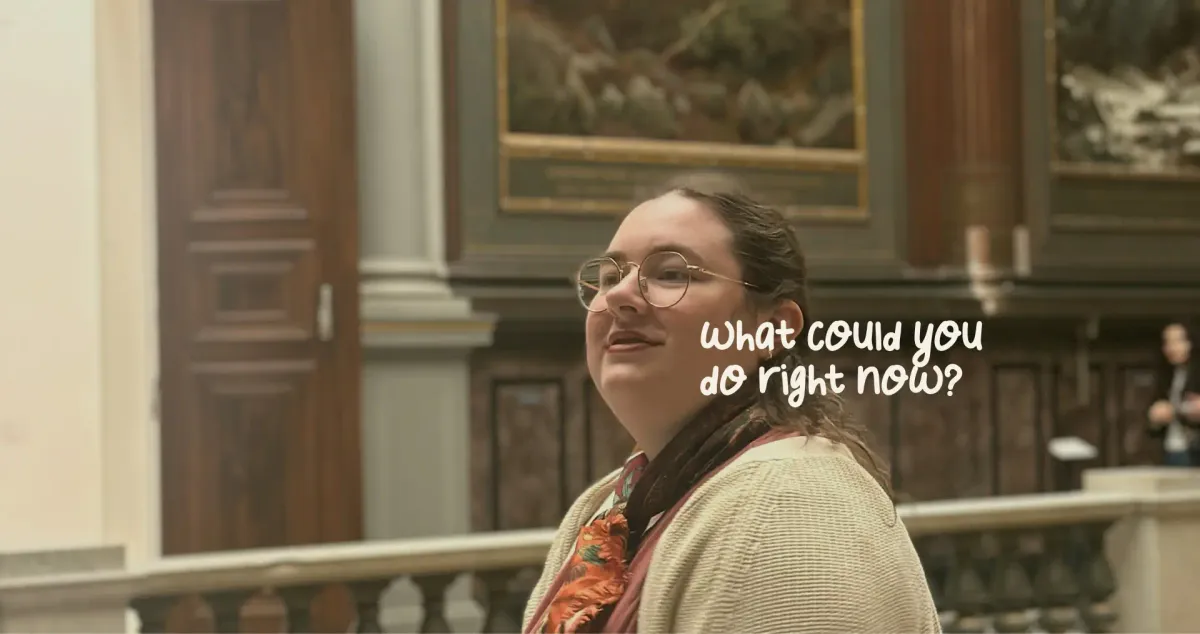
(417, 333)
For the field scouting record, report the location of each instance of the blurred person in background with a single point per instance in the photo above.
(1174, 416)
(738, 512)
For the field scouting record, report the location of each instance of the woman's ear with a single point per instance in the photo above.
(788, 320)
(788, 313)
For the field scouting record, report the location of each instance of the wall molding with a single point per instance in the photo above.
(128, 299)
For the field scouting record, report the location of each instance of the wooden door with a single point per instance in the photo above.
(257, 238)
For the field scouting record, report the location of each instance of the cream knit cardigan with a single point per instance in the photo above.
(793, 536)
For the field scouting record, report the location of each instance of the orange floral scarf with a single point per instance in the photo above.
(596, 575)
(596, 572)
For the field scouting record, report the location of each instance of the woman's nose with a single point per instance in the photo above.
(626, 295)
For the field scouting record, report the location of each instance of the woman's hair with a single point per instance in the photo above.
(772, 261)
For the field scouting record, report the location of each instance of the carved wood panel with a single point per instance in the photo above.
(256, 189)
(987, 438)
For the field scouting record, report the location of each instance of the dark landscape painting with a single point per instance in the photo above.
(758, 72)
(1128, 83)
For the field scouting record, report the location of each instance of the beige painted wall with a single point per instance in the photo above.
(76, 269)
(50, 463)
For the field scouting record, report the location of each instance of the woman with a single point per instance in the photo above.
(738, 513)
(1175, 414)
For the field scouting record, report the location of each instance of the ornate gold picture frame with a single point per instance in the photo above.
(1123, 90)
(557, 173)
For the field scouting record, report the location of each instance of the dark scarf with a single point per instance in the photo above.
(714, 435)
(596, 574)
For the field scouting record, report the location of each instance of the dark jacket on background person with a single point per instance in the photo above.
(1163, 378)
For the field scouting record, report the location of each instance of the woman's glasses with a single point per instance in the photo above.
(663, 279)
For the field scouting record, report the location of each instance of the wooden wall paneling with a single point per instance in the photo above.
(256, 211)
(926, 431)
(1083, 417)
(1047, 423)
(1135, 387)
(971, 411)
(962, 123)
(1017, 437)
(939, 429)
(1096, 221)
(913, 431)
(878, 414)
(985, 108)
(1109, 412)
(928, 138)
(988, 438)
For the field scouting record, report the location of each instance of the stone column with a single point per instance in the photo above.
(417, 334)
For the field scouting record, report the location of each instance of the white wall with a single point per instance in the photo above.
(50, 424)
(76, 276)
(128, 276)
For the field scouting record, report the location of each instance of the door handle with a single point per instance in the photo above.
(325, 313)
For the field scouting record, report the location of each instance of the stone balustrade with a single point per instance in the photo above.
(1120, 555)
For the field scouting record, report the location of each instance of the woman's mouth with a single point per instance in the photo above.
(632, 346)
(627, 342)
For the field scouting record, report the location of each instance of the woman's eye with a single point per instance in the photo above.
(672, 275)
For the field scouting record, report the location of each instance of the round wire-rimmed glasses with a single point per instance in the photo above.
(663, 279)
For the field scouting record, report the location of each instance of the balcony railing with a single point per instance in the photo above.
(1008, 564)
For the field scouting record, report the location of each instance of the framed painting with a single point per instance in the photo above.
(600, 100)
(594, 106)
(1122, 94)
(1112, 149)
(1124, 82)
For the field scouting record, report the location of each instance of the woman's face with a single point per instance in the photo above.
(665, 374)
(1177, 348)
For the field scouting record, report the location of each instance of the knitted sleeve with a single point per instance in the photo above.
(800, 544)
